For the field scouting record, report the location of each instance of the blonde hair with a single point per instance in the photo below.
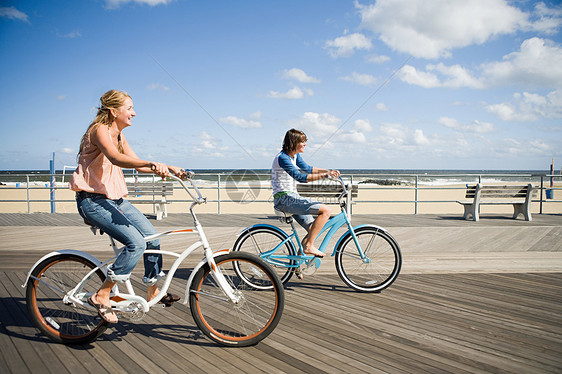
(112, 99)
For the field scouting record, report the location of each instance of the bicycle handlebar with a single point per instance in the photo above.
(199, 199)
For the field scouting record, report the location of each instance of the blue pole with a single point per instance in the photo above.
(52, 170)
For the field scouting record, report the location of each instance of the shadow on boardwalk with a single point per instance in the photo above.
(424, 323)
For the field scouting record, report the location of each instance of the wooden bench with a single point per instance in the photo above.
(518, 196)
(326, 193)
(156, 191)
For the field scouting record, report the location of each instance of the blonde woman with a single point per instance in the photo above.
(100, 190)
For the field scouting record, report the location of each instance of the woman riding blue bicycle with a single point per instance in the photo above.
(285, 174)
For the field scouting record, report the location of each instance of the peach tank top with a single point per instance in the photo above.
(96, 174)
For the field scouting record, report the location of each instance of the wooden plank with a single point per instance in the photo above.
(27, 351)
(75, 360)
(462, 323)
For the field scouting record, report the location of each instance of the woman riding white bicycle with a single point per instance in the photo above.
(100, 190)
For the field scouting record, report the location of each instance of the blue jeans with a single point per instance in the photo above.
(300, 207)
(126, 224)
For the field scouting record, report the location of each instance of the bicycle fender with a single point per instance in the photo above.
(196, 269)
(85, 255)
(355, 229)
(263, 225)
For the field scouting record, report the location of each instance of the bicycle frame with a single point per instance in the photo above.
(121, 302)
(333, 224)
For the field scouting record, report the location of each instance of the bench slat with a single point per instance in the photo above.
(140, 191)
(157, 189)
(323, 190)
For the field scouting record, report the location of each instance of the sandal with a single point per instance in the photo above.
(103, 311)
(169, 299)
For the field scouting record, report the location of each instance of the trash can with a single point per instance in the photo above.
(549, 194)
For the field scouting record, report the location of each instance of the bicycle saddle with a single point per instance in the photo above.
(283, 216)
(93, 227)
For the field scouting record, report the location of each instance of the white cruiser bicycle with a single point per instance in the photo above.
(227, 308)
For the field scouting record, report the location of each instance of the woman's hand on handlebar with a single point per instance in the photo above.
(334, 174)
(178, 172)
(160, 169)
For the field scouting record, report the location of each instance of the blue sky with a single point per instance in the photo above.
(387, 84)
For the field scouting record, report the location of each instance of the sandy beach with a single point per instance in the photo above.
(371, 199)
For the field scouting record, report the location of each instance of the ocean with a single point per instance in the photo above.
(364, 176)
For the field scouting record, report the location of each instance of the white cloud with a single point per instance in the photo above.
(381, 107)
(253, 122)
(432, 29)
(362, 125)
(529, 107)
(205, 136)
(292, 94)
(67, 151)
(411, 75)
(362, 79)
(440, 75)
(537, 63)
(474, 127)
(378, 59)
(157, 87)
(346, 45)
(420, 138)
(317, 125)
(300, 76)
(209, 146)
(13, 13)
(324, 130)
(71, 35)
(393, 133)
(547, 20)
(113, 4)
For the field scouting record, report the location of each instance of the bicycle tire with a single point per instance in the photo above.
(381, 266)
(49, 283)
(253, 318)
(259, 239)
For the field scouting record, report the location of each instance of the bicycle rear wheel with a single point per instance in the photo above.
(249, 321)
(58, 319)
(260, 239)
(381, 264)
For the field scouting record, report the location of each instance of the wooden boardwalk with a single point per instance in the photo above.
(502, 314)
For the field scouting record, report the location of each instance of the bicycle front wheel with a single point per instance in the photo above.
(260, 239)
(380, 266)
(51, 312)
(253, 317)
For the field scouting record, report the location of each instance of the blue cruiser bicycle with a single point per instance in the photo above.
(367, 257)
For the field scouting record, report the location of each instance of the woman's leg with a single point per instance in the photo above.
(302, 209)
(109, 217)
(313, 231)
(152, 262)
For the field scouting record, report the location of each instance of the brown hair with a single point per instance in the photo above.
(292, 139)
(112, 99)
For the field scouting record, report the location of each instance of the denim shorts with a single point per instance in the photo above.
(300, 207)
(126, 224)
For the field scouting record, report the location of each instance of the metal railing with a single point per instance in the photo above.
(417, 184)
